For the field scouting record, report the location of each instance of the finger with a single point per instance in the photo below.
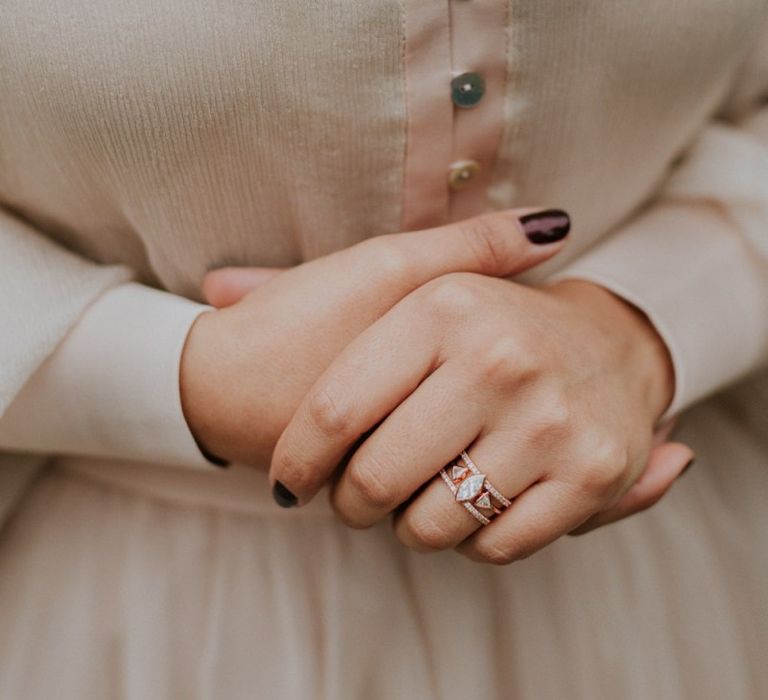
(227, 285)
(367, 381)
(435, 520)
(380, 271)
(540, 515)
(339, 408)
(497, 244)
(425, 432)
(666, 463)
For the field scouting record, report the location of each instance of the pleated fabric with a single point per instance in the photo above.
(147, 597)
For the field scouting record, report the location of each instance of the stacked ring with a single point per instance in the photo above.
(471, 488)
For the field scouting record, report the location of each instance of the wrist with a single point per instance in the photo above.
(197, 400)
(633, 336)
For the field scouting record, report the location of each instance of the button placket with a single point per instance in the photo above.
(477, 92)
(455, 67)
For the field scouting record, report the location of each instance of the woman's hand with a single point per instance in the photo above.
(556, 390)
(245, 368)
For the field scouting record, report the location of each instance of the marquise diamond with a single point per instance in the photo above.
(470, 487)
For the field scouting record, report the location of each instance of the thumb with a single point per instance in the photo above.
(227, 285)
(498, 244)
(665, 464)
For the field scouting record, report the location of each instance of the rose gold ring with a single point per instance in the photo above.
(471, 488)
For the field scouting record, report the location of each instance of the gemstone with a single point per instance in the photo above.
(458, 472)
(470, 487)
(484, 501)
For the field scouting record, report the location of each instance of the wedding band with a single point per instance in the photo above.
(471, 488)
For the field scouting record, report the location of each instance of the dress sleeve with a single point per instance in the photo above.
(695, 259)
(89, 358)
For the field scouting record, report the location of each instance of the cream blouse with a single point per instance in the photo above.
(142, 144)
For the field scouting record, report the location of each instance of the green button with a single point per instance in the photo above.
(467, 89)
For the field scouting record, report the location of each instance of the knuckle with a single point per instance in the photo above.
(605, 465)
(429, 533)
(450, 297)
(369, 485)
(392, 262)
(328, 414)
(488, 238)
(503, 362)
(553, 422)
(597, 480)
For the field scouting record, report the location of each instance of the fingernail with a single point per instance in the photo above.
(548, 226)
(687, 466)
(214, 459)
(283, 497)
(219, 462)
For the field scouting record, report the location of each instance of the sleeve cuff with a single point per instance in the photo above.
(111, 388)
(688, 269)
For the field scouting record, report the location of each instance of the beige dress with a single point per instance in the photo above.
(141, 145)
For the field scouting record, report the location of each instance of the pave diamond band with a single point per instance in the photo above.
(471, 488)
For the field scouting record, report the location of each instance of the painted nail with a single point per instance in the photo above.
(283, 497)
(687, 466)
(214, 459)
(548, 226)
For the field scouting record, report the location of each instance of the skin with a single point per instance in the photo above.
(245, 368)
(556, 391)
(410, 341)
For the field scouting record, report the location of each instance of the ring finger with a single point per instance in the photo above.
(436, 520)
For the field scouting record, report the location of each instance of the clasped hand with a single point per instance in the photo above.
(373, 367)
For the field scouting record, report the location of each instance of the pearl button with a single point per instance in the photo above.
(461, 173)
(467, 89)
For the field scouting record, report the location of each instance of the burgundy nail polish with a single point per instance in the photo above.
(283, 497)
(548, 226)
